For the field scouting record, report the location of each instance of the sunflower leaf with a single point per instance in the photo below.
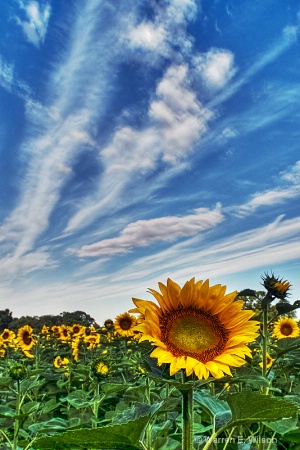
(248, 406)
(283, 426)
(117, 437)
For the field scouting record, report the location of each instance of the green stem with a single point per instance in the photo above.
(6, 437)
(16, 423)
(96, 405)
(187, 417)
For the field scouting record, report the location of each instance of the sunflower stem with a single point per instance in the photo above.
(265, 345)
(187, 416)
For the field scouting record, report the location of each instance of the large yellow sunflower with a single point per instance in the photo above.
(285, 328)
(197, 328)
(25, 338)
(124, 324)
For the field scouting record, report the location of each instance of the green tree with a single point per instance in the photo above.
(5, 319)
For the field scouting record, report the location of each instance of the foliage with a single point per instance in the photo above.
(57, 396)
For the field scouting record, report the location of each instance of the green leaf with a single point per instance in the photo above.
(255, 407)
(117, 437)
(50, 426)
(6, 411)
(51, 405)
(29, 407)
(283, 426)
(292, 437)
(5, 382)
(113, 388)
(137, 411)
(219, 409)
(77, 399)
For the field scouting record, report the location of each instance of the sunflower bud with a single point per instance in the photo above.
(275, 286)
(17, 372)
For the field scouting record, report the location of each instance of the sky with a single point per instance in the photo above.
(146, 140)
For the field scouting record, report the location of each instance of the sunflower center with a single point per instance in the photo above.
(286, 329)
(195, 333)
(5, 335)
(125, 324)
(27, 338)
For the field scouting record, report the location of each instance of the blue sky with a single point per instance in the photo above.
(142, 140)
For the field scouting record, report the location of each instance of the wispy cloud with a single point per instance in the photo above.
(145, 232)
(287, 39)
(175, 121)
(37, 15)
(60, 131)
(275, 243)
(289, 188)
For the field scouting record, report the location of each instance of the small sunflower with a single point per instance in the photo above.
(55, 330)
(124, 324)
(25, 338)
(64, 333)
(285, 328)
(77, 330)
(60, 362)
(270, 362)
(92, 341)
(100, 368)
(197, 328)
(7, 336)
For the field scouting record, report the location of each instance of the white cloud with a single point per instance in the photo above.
(176, 121)
(146, 232)
(180, 117)
(35, 28)
(6, 74)
(292, 174)
(216, 68)
(147, 35)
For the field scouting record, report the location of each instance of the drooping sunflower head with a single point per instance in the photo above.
(100, 368)
(275, 286)
(285, 328)
(25, 338)
(76, 343)
(197, 328)
(109, 325)
(124, 324)
(270, 362)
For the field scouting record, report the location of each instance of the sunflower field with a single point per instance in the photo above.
(194, 369)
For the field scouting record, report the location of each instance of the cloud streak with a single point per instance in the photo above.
(145, 232)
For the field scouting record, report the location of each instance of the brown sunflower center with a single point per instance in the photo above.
(5, 335)
(27, 338)
(125, 324)
(193, 332)
(286, 329)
